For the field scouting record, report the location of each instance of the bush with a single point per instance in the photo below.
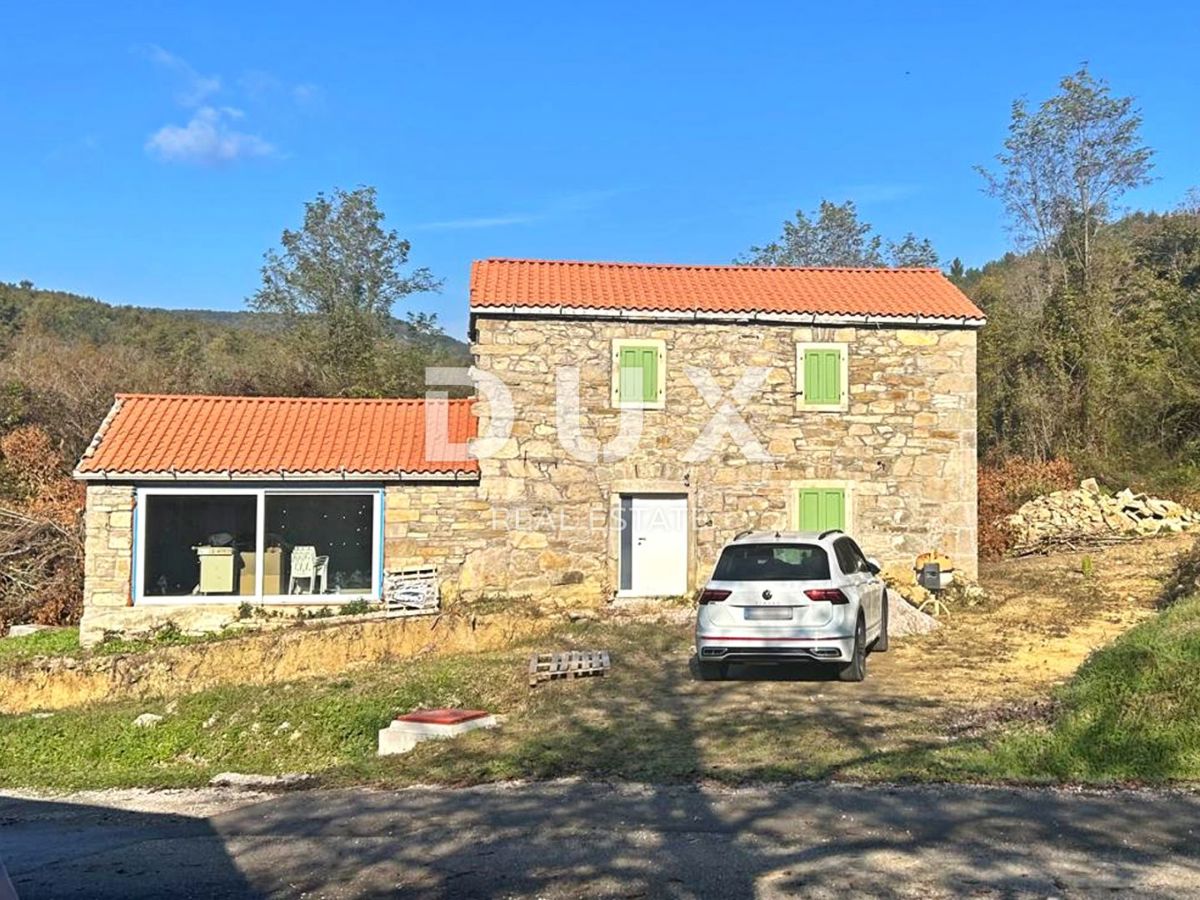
(1005, 486)
(41, 533)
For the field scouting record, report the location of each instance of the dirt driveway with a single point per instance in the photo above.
(653, 719)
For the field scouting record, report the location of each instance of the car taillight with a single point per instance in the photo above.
(708, 595)
(827, 595)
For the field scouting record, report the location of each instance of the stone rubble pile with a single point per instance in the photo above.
(1087, 510)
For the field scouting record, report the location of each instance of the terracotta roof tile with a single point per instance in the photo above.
(155, 434)
(645, 287)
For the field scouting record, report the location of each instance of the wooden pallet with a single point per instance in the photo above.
(412, 591)
(567, 664)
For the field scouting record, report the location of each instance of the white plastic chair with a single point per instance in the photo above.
(307, 566)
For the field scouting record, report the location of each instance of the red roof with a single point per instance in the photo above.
(539, 283)
(185, 435)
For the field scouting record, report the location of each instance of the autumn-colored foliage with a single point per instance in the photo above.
(1005, 486)
(41, 532)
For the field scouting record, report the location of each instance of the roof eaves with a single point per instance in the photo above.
(811, 318)
(462, 474)
(79, 471)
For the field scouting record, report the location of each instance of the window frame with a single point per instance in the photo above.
(843, 350)
(859, 564)
(660, 347)
(138, 595)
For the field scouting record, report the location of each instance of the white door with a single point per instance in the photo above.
(656, 546)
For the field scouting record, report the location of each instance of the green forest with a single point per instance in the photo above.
(1090, 361)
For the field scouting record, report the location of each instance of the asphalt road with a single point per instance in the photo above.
(581, 839)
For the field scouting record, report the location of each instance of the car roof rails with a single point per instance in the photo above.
(825, 534)
(742, 534)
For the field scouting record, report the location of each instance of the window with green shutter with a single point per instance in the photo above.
(820, 508)
(638, 373)
(821, 374)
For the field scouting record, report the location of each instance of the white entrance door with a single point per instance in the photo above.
(654, 547)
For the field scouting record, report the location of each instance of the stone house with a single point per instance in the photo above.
(628, 420)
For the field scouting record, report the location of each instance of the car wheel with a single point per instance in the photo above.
(710, 671)
(881, 642)
(856, 668)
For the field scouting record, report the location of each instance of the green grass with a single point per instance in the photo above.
(329, 726)
(65, 642)
(1131, 714)
(166, 637)
(314, 726)
(57, 642)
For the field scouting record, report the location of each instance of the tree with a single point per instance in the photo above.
(911, 252)
(834, 236)
(335, 283)
(1065, 165)
(1063, 168)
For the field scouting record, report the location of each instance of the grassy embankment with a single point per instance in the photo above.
(1130, 715)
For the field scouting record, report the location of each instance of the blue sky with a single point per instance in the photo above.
(152, 152)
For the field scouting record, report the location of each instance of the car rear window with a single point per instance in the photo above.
(772, 562)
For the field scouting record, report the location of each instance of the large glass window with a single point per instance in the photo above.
(198, 545)
(258, 543)
(325, 543)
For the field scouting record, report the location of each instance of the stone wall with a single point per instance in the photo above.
(904, 448)
(445, 525)
(540, 522)
(108, 546)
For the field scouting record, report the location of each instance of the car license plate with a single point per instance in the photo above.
(768, 614)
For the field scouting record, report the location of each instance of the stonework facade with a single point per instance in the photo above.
(541, 521)
(108, 546)
(904, 448)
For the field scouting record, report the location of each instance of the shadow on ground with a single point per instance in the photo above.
(58, 849)
(665, 837)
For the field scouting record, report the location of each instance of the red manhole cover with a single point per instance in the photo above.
(443, 716)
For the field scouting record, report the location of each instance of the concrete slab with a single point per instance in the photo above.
(405, 732)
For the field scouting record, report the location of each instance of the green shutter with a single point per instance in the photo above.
(822, 377)
(638, 376)
(820, 509)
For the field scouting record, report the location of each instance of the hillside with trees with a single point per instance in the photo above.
(325, 323)
(1089, 363)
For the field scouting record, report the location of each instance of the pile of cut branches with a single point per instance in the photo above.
(1080, 540)
(41, 533)
(41, 570)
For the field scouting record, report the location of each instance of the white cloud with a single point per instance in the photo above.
(306, 94)
(264, 87)
(561, 207)
(196, 87)
(209, 138)
(479, 222)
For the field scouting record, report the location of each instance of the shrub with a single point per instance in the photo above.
(41, 533)
(1005, 486)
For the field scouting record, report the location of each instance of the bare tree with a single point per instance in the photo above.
(1066, 164)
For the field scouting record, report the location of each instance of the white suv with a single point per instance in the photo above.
(790, 597)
